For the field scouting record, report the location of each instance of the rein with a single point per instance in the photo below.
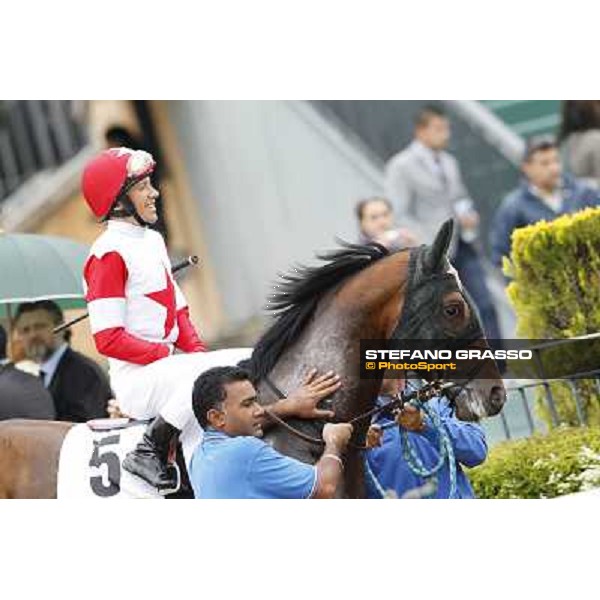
(425, 393)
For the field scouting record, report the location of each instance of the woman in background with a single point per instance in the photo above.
(376, 223)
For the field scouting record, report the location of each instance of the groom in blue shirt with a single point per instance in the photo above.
(386, 461)
(232, 462)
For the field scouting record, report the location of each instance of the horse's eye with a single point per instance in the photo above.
(451, 310)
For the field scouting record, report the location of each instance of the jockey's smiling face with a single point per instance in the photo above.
(144, 195)
(239, 413)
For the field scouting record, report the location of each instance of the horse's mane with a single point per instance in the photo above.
(298, 295)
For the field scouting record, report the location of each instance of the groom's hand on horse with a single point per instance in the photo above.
(304, 401)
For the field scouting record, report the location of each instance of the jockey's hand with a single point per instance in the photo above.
(374, 436)
(411, 418)
(113, 410)
(303, 402)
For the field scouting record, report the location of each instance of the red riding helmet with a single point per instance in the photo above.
(111, 174)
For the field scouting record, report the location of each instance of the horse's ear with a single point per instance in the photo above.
(438, 250)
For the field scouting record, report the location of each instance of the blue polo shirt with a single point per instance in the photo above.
(246, 467)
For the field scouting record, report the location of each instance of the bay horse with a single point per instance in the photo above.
(321, 314)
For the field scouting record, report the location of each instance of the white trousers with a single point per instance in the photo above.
(165, 388)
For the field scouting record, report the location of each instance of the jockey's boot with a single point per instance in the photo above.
(149, 459)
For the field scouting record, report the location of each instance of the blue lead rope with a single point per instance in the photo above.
(446, 451)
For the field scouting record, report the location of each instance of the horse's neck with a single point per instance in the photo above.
(330, 343)
(322, 345)
(364, 307)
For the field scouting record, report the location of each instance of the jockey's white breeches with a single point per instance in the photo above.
(165, 388)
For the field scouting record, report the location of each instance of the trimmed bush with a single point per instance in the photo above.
(564, 461)
(555, 292)
(555, 268)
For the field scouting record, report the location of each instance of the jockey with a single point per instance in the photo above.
(138, 313)
(140, 320)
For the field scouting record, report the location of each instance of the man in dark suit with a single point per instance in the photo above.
(22, 396)
(79, 387)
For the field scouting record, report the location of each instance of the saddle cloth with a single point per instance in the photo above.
(90, 464)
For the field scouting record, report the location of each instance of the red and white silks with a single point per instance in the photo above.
(138, 316)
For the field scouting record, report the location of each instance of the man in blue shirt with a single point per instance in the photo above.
(232, 462)
(386, 460)
(544, 194)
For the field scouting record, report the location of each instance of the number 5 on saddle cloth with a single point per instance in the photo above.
(91, 457)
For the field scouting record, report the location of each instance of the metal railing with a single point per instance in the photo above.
(519, 417)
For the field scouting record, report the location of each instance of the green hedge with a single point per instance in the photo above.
(555, 267)
(543, 466)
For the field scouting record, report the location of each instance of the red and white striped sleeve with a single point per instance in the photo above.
(105, 280)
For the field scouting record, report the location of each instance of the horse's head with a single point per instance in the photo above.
(437, 307)
(363, 292)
